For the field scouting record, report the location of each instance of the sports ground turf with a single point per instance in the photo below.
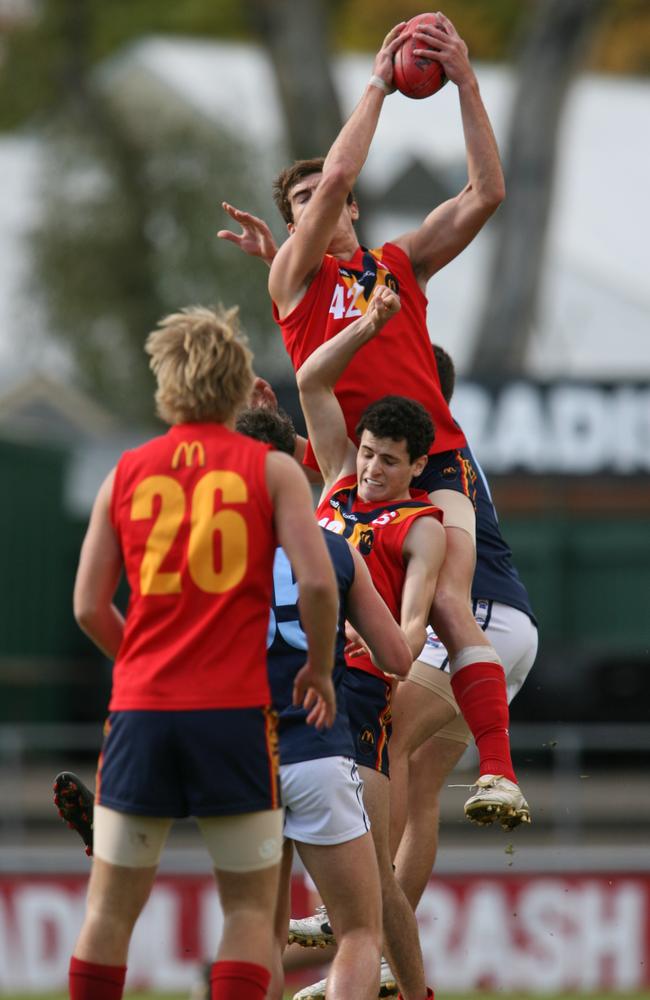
(287, 996)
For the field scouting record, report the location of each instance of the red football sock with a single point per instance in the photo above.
(239, 981)
(90, 981)
(480, 690)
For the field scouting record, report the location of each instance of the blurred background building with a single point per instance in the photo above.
(122, 132)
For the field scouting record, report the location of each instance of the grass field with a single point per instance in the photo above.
(128, 996)
(287, 996)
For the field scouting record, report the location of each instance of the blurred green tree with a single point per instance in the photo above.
(125, 237)
(36, 56)
(34, 52)
(297, 36)
(129, 182)
(127, 192)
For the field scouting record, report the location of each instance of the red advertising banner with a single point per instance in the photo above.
(511, 933)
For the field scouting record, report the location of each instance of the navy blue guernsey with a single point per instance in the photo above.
(287, 647)
(495, 577)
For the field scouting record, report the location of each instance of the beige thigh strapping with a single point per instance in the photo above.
(439, 682)
(457, 509)
(244, 843)
(130, 841)
(457, 730)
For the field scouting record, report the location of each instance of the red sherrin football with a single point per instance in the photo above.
(414, 76)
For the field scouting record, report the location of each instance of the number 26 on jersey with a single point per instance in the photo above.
(210, 530)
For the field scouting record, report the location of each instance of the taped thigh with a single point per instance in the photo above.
(457, 730)
(127, 840)
(439, 682)
(246, 842)
(434, 679)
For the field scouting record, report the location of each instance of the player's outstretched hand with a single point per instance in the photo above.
(384, 304)
(255, 239)
(316, 694)
(262, 395)
(383, 64)
(442, 42)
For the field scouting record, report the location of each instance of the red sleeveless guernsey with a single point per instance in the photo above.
(194, 521)
(378, 532)
(399, 361)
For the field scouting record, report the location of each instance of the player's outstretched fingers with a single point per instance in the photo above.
(383, 64)
(255, 239)
(393, 36)
(447, 25)
(445, 44)
(262, 395)
(234, 213)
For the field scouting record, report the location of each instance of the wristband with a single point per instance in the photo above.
(376, 81)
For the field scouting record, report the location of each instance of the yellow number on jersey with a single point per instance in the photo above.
(161, 537)
(204, 525)
(231, 526)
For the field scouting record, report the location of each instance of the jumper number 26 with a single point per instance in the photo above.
(205, 523)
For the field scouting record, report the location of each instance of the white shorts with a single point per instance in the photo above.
(323, 801)
(511, 633)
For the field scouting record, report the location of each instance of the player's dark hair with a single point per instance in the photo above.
(401, 419)
(446, 371)
(290, 176)
(271, 426)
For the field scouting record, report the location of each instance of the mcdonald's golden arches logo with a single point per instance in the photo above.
(187, 450)
(367, 736)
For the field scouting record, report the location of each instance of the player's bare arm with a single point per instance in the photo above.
(335, 453)
(450, 227)
(370, 617)
(319, 201)
(302, 540)
(98, 574)
(424, 552)
(349, 150)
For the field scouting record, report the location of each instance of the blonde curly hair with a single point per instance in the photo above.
(202, 365)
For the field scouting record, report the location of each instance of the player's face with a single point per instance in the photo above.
(302, 193)
(384, 469)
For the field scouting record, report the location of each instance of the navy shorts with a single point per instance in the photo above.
(208, 762)
(369, 709)
(449, 470)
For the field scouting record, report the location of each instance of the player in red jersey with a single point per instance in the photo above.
(321, 280)
(193, 518)
(367, 499)
(503, 610)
